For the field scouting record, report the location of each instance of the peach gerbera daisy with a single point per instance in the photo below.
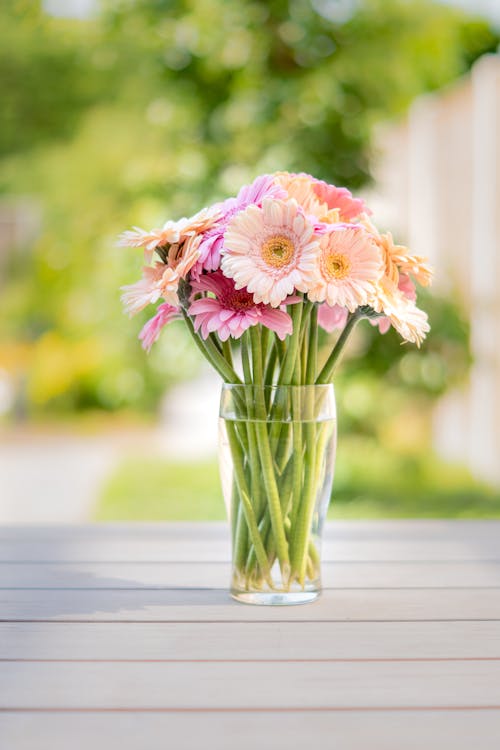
(398, 259)
(300, 187)
(162, 280)
(327, 203)
(400, 309)
(172, 232)
(270, 251)
(349, 264)
(144, 292)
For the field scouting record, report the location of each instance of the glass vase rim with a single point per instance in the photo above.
(317, 386)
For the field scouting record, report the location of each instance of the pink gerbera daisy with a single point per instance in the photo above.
(349, 264)
(349, 208)
(151, 331)
(232, 311)
(332, 318)
(270, 251)
(211, 244)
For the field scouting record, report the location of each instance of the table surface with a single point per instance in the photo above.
(124, 636)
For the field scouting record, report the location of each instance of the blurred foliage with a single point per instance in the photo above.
(392, 393)
(155, 107)
(43, 76)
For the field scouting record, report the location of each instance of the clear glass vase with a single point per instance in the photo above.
(276, 455)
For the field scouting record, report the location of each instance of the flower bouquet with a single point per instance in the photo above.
(253, 277)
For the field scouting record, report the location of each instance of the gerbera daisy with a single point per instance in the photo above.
(398, 260)
(162, 280)
(211, 244)
(332, 318)
(407, 287)
(300, 187)
(172, 232)
(151, 331)
(339, 199)
(401, 311)
(349, 264)
(270, 251)
(326, 202)
(231, 311)
(144, 292)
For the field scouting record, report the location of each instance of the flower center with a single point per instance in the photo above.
(277, 251)
(337, 266)
(240, 299)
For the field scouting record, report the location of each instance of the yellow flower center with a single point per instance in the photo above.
(337, 266)
(277, 251)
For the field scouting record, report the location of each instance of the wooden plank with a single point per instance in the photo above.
(227, 640)
(82, 575)
(408, 730)
(198, 605)
(191, 549)
(382, 540)
(407, 528)
(244, 685)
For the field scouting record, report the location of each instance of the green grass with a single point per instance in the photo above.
(370, 483)
(150, 489)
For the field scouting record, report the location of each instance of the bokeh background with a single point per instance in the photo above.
(125, 112)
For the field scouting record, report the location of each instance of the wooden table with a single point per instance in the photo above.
(123, 636)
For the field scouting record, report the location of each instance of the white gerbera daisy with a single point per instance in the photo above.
(270, 251)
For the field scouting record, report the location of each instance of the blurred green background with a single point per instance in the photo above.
(143, 110)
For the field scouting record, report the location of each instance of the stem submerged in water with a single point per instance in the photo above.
(277, 448)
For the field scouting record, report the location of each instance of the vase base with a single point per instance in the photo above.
(283, 598)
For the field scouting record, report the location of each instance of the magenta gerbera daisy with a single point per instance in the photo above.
(231, 311)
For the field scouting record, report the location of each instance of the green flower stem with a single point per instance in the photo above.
(269, 369)
(312, 349)
(271, 365)
(291, 352)
(227, 352)
(303, 512)
(314, 554)
(300, 536)
(266, 461)
(240, 543)
(265, 521)
(215, 340)
(212, 354)
(304, 338)
(251, 561)
(267, 343)
(247, 503)
(286, 377)
(326, 374)
(255, 479)
(258, 373)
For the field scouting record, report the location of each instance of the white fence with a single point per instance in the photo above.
(439, 184)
